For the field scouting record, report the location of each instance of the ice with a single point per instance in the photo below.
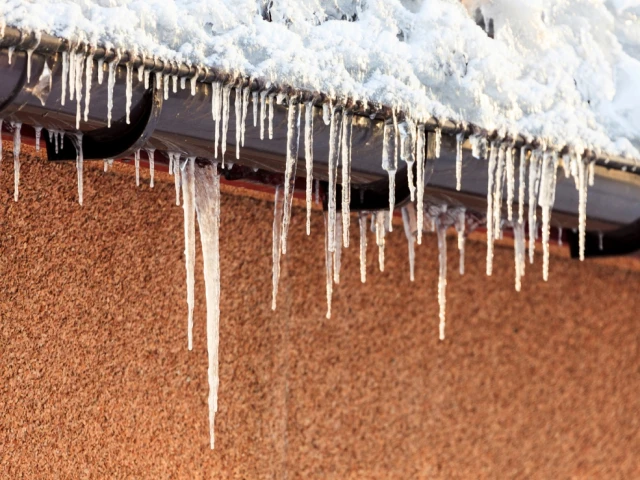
(272, 98)
(100, 71)
(308, 155)
(317, 192)
(38, 134)
(438, 140)
(347, 130)
(511, 181)
(276, 246)
(174, 83)
(158, 81)
(147, 74)
(72, 73)
(216, 113)
(10, 53)
(30, 53)
(17, 126)
(290, 169)
(409, 223)
(534, 180)
(136, 160)
(183, 83)
(459, 141)
(208, 210)
(460, 223)
(559, 236)
(263, 112)
(141, 73)
(490, 188)
(151, 156)
(326, 113)
(77, 141)
(390, 163)
(176, 175)
(245, 107)
(407, 137)
(254, 104)
(441, 231)
(519, 253)
(226, 92)
(128, 91)
(165, 85)
(88, 80)
(238, 115)
(582, 204)
(592, 173)
(337, 255)
(420, 146)
(111, 81)
(189, 207)
(334, 143)
(380, 224)
(546, 200)
(78, 71)
(362, 221)
(497, 194)
(521, 184)
(192, 84)
(600, 241)
(328, 258)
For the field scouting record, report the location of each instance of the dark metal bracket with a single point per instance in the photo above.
(623, 241)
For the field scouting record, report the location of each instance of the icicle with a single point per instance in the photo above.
(271, 110)
(347, 130)
(546, 200)
(183, 83)
(147, 74)
(334, 144)
(128, 91)
(170, 163)
(151, 156)
(460, 224)
(420, 146)
(519, 253)
(38, 134)
(141, 72)
(238, 114)
(276, 247)
(158, 81)
(17, 126)
(380, 227)
(72, 73)
(407, 137)
(290, 170)
(497, 194)
(521, 184)
(88, 81)
(189, 207)
(176, 175)
(600, 241)
(226, 92)
(317, 192)
(559, 236)
(10, 53)
(337, 255)
(30, 51)
(459, 141)
(208, 210)
(362, 219)
(263, 112)
(490, 188)
(390, 164)
(245, 107)
(165, 83)
(328, 257)
(65, 75)
(136, 159)
(100, 71)
(193, 81)
(254, 104)
(174, 83)
(534, 182)
(582, 204)
(111, 81)
(308, 155)
(441, 230)
(79, 165)
(409, 220)
(326, 112)
(511, 181)
(438, 137)
(216, 112)
(78, 71)
(592, 173)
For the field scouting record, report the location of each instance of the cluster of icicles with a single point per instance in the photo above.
(404, 140)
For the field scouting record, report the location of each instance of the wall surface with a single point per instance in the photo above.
(96, 380)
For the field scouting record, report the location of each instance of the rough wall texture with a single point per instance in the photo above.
(96, 380)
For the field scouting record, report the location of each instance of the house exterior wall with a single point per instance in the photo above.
(96, 380)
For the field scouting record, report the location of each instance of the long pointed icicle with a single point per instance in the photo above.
(347, 130)
(17, 126)
(111, 81)
(79, 166)
(459, 141)
(290, 170)
(177, 177)
(497, 194)
(136, 160)
(441, 231)
(460, 225)
(534, 171)
(380, 228)
(128, 91)
(511, 181)
(272, 101)
(490, 187)
(582, 205)
(362, 219)
(334, 140)
(519, 253)
(151, 156)
(546, 200)
(276, 247)
(245, 107)
(328, 257)
(238, 114)
(226, 92)
(65, 76)
(409, 221)
(407, 133)
(254, 103)
(208, 209)
(189, 207)
(88, 80)
(521, 184)
(420, 159)
(263, 112)
(79, 70)
(337, 255)
(390, 163)
(308, 155)
(216, 113)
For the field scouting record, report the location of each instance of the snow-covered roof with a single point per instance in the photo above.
(566, 72)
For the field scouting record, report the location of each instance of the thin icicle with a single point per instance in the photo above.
(600, 241)
(216, 112)
(111, 81)
(226, 93)
(78, 71)
(88, 80)
(317, 191)
(407, 137)
(151, 156)
(460, 224)
(534, 182)
(65, 76)
(347, 130)
(308, 155)
(490, 187)
(238, 114)
(290, 170)
(441, 230)
(208, 210)
(362, 220)
(409, 221)
(559, 236)
(420, 158)
(519, 253)
(254, 103)
(10, 53)
(276, 246)
(438, 140)
(72, 73)
(176, 175)
(521, 184)
(390, 163)
(128, 91)
(334, 142)
(38, 134)
(511, 181)
(337, 255)
(328, 258)
(189, 207)
(263, 112)
(459, 141)
(272, 99)
(100, 71)
(245, 107)
(79, 165)
(17, 126)
(497, 194)
(136, 159)
(546, 200)
(380, 228)
(582, 204)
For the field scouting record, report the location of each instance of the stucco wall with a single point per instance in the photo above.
(96, 380)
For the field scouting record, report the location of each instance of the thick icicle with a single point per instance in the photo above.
(362, 219)
(192, 82)
(79, 165)
(208, 209)
(65, 76)
(347, 130)
(136, 160)
(308, 155)
(337, 255)
(460, 223)
(254, 104)
(521, 184)
(272, 101)
(245, 107)
(409, 222)
(441, 230)
(534, 182)
(216, 112)
(276, 246)
(380, 228)
(420, 158)
(238, 114)
(290, 170)
(38, 134)
(459, 141)
(111, 81)
(490, 187)
(141, 73)
(151, 156)
(511, 181)
(177, 177)
(546, 200)
(334, 142)
(128, 91)
(189, 207)
(88, 80)
(582, 204)
(183, 83)
(263, 112)
(407, 137)
(10, 53)
(328, 258)
(226, 92)
(519, 252)
(78, 71)
(17, 126)
(592, 173)
(165, 84)
(438, 140)
(390, 163)
(147, 74)
(174, 83)
(72, 73)
(100, 71)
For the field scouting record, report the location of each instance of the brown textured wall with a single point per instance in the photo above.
(96, 380)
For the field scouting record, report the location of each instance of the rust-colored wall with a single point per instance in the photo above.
(96, 380)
